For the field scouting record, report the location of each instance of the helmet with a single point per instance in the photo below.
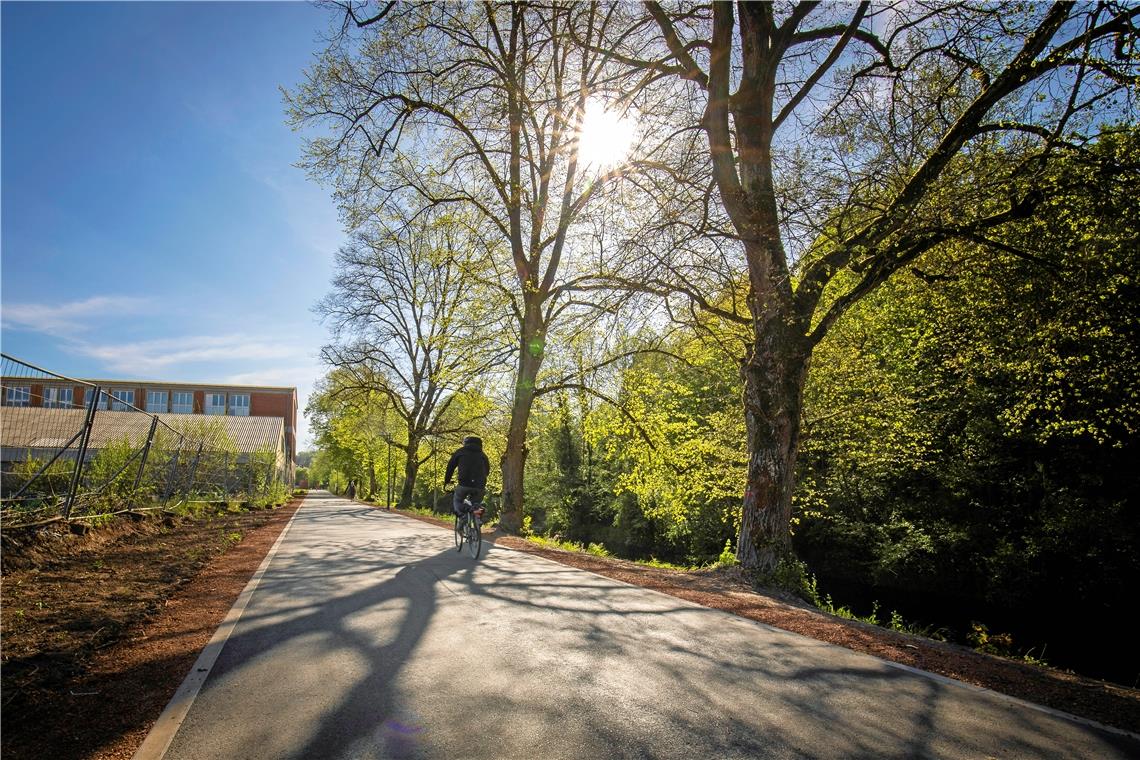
(473, 440)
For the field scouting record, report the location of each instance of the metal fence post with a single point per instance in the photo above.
(169, 490)
(88, 423)
(145, 455)
(193, 472)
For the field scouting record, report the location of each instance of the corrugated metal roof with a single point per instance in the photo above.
(31, 427)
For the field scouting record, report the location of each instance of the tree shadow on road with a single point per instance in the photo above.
(618, 673)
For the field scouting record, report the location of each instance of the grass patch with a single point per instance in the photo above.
(726, 559)
(549, 542)
(421, 511)
(663, 565)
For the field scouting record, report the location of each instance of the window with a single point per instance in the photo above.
(59, 398)
(104, 400)
(239, 404)
(122, 401)
(215, 403)
(183, 403)
(156, 402)
(18, 395)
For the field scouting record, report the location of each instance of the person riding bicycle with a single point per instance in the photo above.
(473, 469)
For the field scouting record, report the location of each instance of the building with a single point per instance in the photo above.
(157, 397)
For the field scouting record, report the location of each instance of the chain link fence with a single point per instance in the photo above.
(70, 450)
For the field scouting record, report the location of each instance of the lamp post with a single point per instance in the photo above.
(388, 480)
(434, 475)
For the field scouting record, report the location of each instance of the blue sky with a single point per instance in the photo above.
(153, 223)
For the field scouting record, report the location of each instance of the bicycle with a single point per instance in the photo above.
(468, 528)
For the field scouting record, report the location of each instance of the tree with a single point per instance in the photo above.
(408, 335)
(356, 421)
(842, 140)
(478, 106)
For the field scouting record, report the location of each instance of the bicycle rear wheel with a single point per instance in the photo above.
(474, 537)
(460, 526)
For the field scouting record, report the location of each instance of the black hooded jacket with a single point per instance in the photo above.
(472, 463)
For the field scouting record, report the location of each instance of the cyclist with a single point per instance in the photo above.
(473, 469)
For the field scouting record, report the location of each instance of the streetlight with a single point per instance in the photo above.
(388, 439)
(434, 475)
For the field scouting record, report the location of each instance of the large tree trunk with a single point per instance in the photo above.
(776, 365)
(514, 458)
(774, 374)
(411, 468)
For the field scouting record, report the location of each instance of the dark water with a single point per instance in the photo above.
(1094, 643)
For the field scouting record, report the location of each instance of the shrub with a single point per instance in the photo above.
(727, 556)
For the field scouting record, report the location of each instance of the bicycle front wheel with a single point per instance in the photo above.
(474, 538)
(460, 525)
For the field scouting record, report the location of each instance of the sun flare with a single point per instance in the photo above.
(607, 135)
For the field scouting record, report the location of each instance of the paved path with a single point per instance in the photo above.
(370, 637)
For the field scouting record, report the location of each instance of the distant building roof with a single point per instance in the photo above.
(39, 428)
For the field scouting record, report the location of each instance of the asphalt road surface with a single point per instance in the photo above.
(369, 636)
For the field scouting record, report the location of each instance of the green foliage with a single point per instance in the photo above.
(598, 550)
(48, 490)
(272, 494)
(981, 639)
(654, 562)
(792, 575)
(727, 557)
(661, 474)
(548, 542)
(969, 432)
(109, 478)
(828, 606)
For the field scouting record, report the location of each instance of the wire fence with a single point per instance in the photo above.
(71, 450)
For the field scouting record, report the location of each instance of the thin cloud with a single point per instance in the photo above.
(302, 376)
(155, 356)
(67, 319)
(307, 209)
(291, 375)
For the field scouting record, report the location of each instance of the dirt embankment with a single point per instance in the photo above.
(100, 629)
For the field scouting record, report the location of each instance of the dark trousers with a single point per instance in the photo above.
(462, 492)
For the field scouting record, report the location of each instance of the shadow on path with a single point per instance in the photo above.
(585, 658)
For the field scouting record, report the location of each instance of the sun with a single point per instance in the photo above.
(607, 135)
